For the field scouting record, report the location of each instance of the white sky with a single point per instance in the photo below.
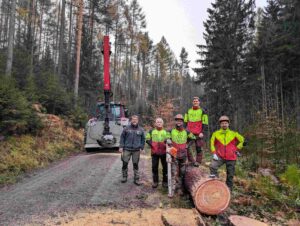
(180, 21)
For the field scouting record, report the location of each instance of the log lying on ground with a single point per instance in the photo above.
(244, 221)
(210, 196)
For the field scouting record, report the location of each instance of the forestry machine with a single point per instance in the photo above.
(104, 129)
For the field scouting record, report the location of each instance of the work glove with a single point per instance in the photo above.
(215, 157)
(169, 142)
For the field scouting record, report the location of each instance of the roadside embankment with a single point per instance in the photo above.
(23, 153)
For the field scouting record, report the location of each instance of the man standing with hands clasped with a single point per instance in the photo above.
(225, 145)
(132, 143)
(197, 122)
(156, 139)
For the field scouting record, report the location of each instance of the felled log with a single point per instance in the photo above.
(210, 196)
(244, 221)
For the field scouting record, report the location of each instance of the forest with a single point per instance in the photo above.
(248, 68)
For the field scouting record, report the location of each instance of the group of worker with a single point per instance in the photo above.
(225, 145)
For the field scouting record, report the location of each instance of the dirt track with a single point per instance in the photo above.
(81, 181)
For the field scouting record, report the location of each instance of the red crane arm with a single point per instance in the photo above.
(106, 53)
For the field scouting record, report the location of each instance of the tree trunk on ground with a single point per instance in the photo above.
(236, 220)
(11, 38)
(210, 196)
(78, 48)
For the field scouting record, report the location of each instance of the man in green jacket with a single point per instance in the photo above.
(225, 146)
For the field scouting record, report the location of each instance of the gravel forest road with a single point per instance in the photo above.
(81, 181)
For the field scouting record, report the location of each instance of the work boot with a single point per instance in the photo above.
(181, 192)
(124, 179)
(199, 157)
(165, 184)
(137, 182)
(154, 185)
(190, 155)
(124, 174)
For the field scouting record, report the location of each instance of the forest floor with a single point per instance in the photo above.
(85, 189)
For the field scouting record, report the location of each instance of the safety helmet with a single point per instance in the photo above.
(223, 118)
(179, 116)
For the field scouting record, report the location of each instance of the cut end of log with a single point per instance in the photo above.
(245, 221)
(212, 197)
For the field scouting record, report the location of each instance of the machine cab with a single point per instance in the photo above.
(94, 132)
(118, 113)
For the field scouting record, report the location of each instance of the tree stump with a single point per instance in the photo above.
(210, 196)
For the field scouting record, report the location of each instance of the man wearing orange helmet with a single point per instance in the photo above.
(225, 145)
(197, 122)
(180, 137)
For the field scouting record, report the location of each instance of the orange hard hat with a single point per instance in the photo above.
(223, 118)
(179, 116)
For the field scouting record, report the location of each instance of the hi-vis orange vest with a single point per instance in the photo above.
(195, 119)
(225, 143)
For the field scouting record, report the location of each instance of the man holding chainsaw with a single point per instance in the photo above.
(180, 138)
(156, 139)
(197, 122)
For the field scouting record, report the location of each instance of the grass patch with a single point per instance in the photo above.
(20, 154)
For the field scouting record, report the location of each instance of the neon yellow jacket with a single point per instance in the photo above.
(156, 138)
(225, 143)
(196, 119)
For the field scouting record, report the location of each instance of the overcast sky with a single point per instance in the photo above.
(180, 21)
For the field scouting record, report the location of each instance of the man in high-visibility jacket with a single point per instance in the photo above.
(180, 138)
(225, 145)
(197, 123)
(156, 138)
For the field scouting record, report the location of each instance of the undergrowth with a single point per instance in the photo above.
(20, 154)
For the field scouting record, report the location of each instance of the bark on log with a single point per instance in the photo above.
(210, 196)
